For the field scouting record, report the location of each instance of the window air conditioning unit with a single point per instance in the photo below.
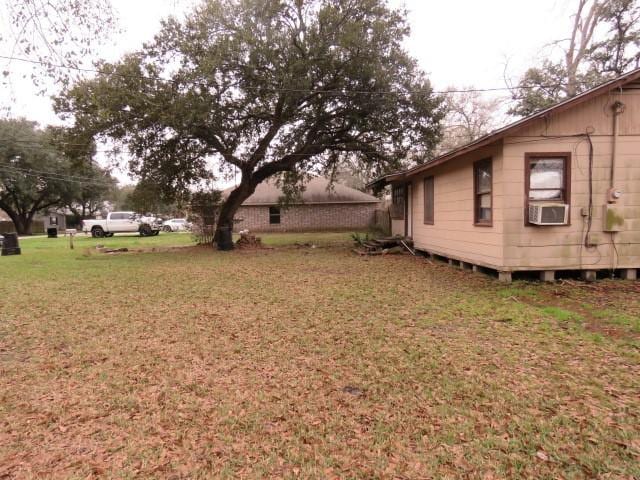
(548, 214)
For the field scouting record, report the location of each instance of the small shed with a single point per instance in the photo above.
(55, 220)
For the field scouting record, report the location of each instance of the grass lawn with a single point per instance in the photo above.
(299, 362)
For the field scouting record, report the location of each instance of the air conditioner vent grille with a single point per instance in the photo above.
(548, 214)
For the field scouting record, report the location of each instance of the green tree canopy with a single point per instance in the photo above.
(97, 186)
(268, 87)
(34, 174)
(149, 197)
(604, 42)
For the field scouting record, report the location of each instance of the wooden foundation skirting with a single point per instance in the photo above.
(588, 275)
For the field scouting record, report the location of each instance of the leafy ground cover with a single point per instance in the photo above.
(302, 362)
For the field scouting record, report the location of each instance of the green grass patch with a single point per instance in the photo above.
(563, 315)
(632, 322)
(517, 291)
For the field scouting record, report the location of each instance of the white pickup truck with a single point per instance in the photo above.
(122, 222)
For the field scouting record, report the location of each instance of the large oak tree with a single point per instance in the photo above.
(35, 174)
(272, 88)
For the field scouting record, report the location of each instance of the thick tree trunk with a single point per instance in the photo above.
(230, 207)
(27, 222)
(21, 222)
(23, 219)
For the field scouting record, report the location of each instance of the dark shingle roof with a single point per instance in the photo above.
(316, 191)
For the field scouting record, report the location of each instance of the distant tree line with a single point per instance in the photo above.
(41, 170)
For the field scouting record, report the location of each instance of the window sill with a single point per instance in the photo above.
(482, 224)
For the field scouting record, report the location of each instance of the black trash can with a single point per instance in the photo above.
(225, 239)
(52, 232)
(10, 245)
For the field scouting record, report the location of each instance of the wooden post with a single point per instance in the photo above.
(71, 232)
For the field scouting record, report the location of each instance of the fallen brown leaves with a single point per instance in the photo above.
(302, 363)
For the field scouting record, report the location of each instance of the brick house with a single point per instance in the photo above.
(322, 207)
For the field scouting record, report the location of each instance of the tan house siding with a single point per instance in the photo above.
(594, 113)
(531, 247)
(509, 244)
(358, 216)
(453, 232)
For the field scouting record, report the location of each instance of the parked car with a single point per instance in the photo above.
(176, 225)
(122, 222)
(151, 219)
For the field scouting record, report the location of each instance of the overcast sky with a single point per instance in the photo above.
(457, 42)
